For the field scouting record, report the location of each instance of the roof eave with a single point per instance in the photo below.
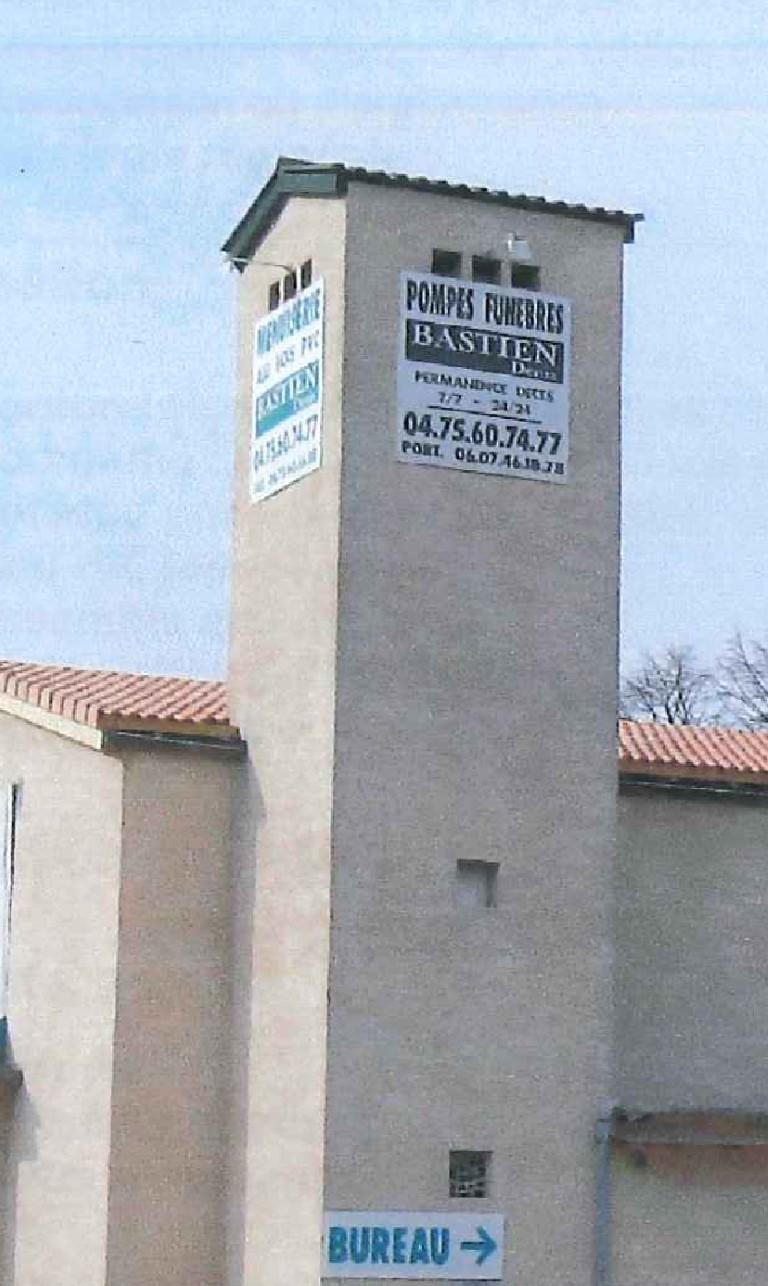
(517, 201)
(95, 735)
(198, 728)
(294, 177)
(290, 177)
(681, 780)
(118, 741)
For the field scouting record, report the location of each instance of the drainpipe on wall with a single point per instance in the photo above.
(603, 1203)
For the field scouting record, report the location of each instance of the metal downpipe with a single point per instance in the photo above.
(603, 1203)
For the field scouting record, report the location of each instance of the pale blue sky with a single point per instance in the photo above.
(134, 135)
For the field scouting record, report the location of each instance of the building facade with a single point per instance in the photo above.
(368, 939)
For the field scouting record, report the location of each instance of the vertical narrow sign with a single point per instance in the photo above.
(286, 435)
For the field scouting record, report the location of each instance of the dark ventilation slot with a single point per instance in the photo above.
(469, 1174)
(484, 269)
(526, 275)
(446, 263)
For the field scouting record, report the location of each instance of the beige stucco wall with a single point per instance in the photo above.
(282, 676)
(691, 1031)
(62, 1004)
(475, 719)
(7, 1195)
(692, 968)
(690, 1216)
(171, 1066)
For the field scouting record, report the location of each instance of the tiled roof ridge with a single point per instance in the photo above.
(9, 666)
(397, 178)
(293, 176)
(97, 698)
(708, 749)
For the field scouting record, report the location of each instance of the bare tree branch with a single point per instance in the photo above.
(743, 681)
(670, 687)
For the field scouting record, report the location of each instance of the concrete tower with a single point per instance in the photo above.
(423, 663)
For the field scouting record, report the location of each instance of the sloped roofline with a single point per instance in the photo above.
(99, 707)
(294, 177)
(693, 752)
(92, 706)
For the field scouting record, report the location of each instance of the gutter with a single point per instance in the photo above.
(230, 747)
(640, 783)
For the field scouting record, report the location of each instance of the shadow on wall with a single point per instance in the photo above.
(724, 1166)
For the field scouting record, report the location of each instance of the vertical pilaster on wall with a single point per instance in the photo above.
(282, 686)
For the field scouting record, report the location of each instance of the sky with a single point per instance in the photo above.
(134, 135)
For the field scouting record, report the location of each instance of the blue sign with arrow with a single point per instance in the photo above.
(413, 1244)
(485, 1245)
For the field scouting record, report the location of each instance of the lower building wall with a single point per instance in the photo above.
(171, 1069)
(690, 1216)
(691, 990)
(62, 1005)
(7, 1105)
(692, 934)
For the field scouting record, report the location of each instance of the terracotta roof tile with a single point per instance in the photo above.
(111, 699)
(704, 752)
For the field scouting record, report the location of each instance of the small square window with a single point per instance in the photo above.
(484, 269)
(274, 296)
(306, 274)
(289, 285)
(476, 883)
(526, 275)
(469, 1174)
(446, 263)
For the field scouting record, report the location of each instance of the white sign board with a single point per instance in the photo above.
(287, 393)
(483, 378)
(411, 1244)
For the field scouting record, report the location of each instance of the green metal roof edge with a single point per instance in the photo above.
(294, 177)
(290, 177)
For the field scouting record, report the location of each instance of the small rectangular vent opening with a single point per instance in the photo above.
(476, 883)
(485, 269)
(469, 1174)
(446, 263)
(526, 275)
